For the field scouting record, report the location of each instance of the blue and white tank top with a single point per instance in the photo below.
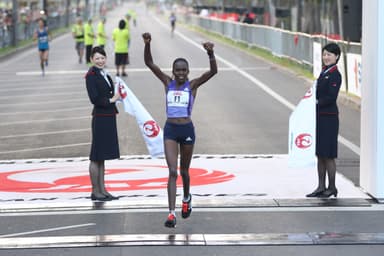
(42, 39)
(179, 100)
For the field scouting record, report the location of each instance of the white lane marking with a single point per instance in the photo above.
(354, 148)
(198, 239)
(55, 102)
(51, 110)
(43, 133)
(129, 70)
(45, 148)
(45, 120)
(70, 211)
(349, 145)
(39, 95)
(39, 88)
(48, 230)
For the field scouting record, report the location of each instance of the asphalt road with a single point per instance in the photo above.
(49, 117)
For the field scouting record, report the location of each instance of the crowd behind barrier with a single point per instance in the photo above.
(299, 47)
(11, 33)
(25, 31)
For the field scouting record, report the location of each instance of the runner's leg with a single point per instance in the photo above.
(186, 152)
(171, 153)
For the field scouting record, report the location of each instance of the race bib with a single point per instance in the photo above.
(178, 98)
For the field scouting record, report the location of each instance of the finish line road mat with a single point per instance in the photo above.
(141, 181)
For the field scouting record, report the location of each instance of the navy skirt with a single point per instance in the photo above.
(327, 130)
(105, 144)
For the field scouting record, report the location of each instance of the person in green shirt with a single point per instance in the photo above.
(89, 36)
(133, 15)
(120, 37)
(78, 35)
(101, 35)
(127, 19)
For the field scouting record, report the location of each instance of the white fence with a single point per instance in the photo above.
(296, 46)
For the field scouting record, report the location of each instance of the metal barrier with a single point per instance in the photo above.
(25, 31)
(282, 43)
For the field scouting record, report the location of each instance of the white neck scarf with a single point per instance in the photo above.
(104, 74)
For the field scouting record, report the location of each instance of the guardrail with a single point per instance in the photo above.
(296, 46)
(25, 31)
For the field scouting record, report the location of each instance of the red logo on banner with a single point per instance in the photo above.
(122, 91)
(308, 94)
(303, 140)
(151, 129)
(51, 180)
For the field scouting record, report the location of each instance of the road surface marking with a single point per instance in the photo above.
(47, 230)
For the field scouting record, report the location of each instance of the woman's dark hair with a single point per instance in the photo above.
(179, 59)
(121, 24)
(333, 48)
(98, 49)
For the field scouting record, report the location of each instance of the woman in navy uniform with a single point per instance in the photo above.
(105, 144)
(327, 121)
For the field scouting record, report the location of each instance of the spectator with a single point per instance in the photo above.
(247, 18)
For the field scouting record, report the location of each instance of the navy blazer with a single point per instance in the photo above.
(327, 90)
(99, 92)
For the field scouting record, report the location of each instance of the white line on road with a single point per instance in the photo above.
(76, 211)
(51, 110)
(48, 230)
(354, 148)
(39, 88)
(55, 102)
(43, 133)
(129, 70)
(45, 120)
(39, 95)
(45, 148)
(315, 238)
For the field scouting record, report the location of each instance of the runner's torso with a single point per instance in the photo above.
(179, 102)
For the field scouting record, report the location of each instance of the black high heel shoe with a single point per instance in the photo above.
(111, 197)
(329, 192)
(99, 198)
(315, 193)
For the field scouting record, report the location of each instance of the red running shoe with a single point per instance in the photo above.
(186, 208)
(171, 221)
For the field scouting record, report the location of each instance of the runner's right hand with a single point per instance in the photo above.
(147, 37)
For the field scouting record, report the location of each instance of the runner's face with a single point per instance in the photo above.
(329, 58)
(99, 60)
(41, 24)
(180, 71)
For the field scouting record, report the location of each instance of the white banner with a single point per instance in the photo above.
(354, 73)
(151, 131)
(302, 132)
(317, 63)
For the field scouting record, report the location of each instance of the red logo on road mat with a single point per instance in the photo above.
(33, 181)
